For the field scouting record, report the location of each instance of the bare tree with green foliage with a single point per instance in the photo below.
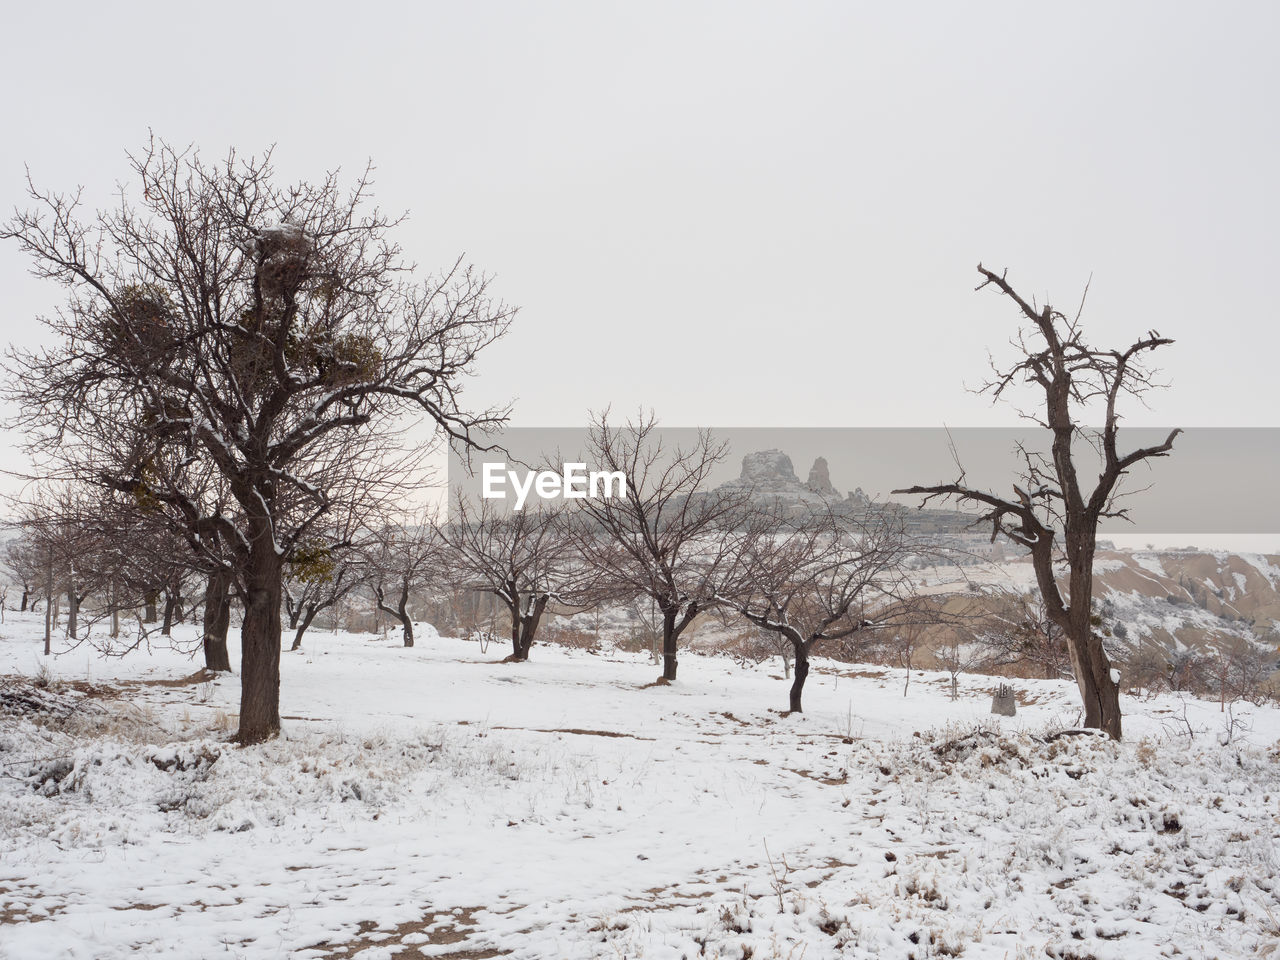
(273, 331)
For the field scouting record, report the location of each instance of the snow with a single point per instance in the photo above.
(1150, 563)
(1263, 565)
(1242, 584)
(430, 801)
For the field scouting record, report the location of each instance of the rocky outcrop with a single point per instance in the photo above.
(820, 479)
(770, 475)
(768, 470)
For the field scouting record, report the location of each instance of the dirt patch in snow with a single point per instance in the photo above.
(435, 929)
(200, 676)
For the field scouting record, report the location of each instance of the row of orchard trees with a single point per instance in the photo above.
(73, 545)
(689, 549)
(670, 539)
(235, 359)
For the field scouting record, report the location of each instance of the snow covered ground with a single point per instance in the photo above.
(433, 802)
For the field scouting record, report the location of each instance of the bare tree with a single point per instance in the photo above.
(104, 544)
(903, 645)
(216, 619)
(22, 560)
(403, 557)
(73, 534)
(322, 572)
(273, 332)
(1020, 630)
(1076, 380)
(1239, 669)
(157, 561)
(821, 578)
(666, 538)
(317, 579)
(1189, 670)
(759, 645)
(525, 558)
(33, 556)
(159, 548)
(959, 651)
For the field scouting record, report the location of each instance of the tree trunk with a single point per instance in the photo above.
(149, 614)
(73, 612)
(514, 607)
(260, 638)
(217, 620)
(292, 610)
(48, 606)
(301, 626)
(403, 611)
(797, 682)
(1098, 691)
(407, 624)
(166, 628)
(26, 594)
(669, 644)
(527, 629)
(1100, 694)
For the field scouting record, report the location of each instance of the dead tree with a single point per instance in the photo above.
(667, 537)
(1076, 381)
(818, 579)
(274, 332)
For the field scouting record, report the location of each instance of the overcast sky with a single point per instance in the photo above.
(738, 214)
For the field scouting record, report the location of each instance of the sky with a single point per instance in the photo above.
(737, 214)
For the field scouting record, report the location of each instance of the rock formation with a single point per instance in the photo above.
(820, 479)
(770, 475)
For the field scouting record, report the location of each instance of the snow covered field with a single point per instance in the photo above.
(432, 802)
